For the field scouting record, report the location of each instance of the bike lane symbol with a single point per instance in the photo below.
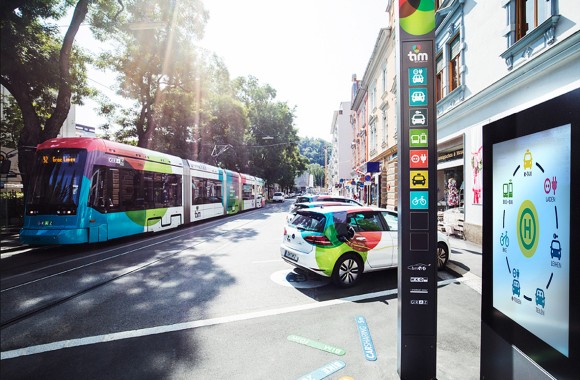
(419, 200)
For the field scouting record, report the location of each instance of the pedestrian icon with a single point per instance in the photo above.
(418, 138)
(417, 75)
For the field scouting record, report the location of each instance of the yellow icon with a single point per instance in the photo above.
(419, 179)
(527, 159)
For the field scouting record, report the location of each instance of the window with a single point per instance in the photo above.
(373, 137)
(529, 14)
(56, 181)
(384, 79)
(205, 191)
(385, 131)
(439, 67)
(366, 221)
(392, 220)
(114, 190)
(454, 63)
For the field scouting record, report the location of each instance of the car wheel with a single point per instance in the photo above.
(347, 270)
(442, 255)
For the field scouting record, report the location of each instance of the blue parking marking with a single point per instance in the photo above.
(324, 371)
(365, 339)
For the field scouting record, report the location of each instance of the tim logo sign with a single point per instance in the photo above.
(415, 54)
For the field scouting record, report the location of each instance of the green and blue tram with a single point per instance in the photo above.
(86, 190)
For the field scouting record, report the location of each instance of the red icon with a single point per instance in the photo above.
(418, 158)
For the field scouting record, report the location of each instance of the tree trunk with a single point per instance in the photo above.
(60, 113)
(32, 134)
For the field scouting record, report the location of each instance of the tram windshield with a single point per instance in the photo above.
(56, 180)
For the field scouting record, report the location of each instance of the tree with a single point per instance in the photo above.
(317, 172)
(156, 61)
(11, 122)
(313, 149)
(271, 138)
(41, 70)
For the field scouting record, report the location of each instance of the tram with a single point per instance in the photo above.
(88, 190)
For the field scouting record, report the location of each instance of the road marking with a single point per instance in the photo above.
(316, 344)
(365, 339)
(55, 346)
(324, 371)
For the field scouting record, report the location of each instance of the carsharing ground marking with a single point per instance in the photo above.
(324, 371)
(315, 344)
(365, 339)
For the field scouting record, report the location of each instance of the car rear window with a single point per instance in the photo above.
(304, 199)
(309, 221)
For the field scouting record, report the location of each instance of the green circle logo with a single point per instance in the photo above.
(417, 17)
(528, 228)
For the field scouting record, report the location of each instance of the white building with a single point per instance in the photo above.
(340, 159)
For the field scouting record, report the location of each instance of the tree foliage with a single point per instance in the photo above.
(41, 69)
(313, 149)
(158, 67)
(271, 138)
(179, 98)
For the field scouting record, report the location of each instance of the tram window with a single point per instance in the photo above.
(114, 189)
(205, 190)
(247, 192)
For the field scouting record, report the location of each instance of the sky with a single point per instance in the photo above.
(307, 50)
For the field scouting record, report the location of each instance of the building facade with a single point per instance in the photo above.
(382, 123)
(494, 59)
(340, 157)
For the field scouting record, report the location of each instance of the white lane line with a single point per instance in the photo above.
(32, 350)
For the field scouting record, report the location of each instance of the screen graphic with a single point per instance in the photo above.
(531, 233)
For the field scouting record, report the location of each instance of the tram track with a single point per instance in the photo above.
(133, 269)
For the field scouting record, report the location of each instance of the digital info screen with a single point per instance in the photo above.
(531, 233)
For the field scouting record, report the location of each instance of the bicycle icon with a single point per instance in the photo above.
(504, 240)
(421, 200)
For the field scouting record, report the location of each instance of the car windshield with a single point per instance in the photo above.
(309, 222)
(57, 177)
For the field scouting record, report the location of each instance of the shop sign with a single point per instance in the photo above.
(450, 156)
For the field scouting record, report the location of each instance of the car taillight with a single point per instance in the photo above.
(318, 240)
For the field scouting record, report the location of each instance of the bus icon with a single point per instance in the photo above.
(418, 137)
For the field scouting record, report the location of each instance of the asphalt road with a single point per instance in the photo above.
(214, 301)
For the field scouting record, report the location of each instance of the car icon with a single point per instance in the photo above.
(418, 78)
(419, 179)
(418, 118)
(527, 160)
(418, 97)
(418, 266)
(556, 250)
(540, 298)
(516, 287)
